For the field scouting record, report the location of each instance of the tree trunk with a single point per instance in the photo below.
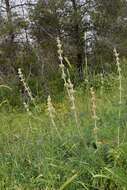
(78, 42)
(10, 23)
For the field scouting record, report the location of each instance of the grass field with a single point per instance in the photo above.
(41, 152)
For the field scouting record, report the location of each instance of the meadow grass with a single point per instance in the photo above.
(34, 156)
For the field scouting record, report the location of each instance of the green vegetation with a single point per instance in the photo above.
(63, 95)
(34, 156)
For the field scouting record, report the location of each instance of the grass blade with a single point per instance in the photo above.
(68, 181)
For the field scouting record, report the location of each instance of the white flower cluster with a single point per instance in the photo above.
(67, 82)
(94, 114)
(60, 56)
(93, 99)
(26, 87)
(119, 75)
(52, 113)
(26, 106)
(71, 94)
(51, 110)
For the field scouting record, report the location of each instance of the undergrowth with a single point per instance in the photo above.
(77, 143)
(33, 156)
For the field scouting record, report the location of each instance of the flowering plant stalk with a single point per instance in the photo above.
(120, 88)
(94, 114)
(67, 82)
(52, 112)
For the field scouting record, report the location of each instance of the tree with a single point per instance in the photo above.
(66, 19)
(12, 45)
(110, 28)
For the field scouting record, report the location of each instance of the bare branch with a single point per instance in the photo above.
(23, 4)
